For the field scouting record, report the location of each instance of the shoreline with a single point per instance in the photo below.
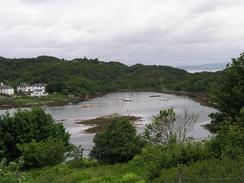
(201, 98)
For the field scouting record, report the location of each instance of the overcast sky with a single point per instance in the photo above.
(164, 32)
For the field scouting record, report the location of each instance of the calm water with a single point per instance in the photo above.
(142, 105)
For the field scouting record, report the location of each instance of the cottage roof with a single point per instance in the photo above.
(38, 90)
(39, 84)
(3, 86)
(24, 85)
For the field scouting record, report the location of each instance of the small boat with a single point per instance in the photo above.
(127, 100)
(87, 105)
(154, 96)
(164, 99)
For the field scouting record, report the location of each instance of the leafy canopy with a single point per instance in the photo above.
(25, 126)
(169, 128)
(117, 143)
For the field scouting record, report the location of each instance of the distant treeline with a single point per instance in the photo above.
(84, 76)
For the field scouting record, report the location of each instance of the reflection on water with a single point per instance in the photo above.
(142, 105)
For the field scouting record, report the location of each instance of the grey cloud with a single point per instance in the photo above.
(171, 32)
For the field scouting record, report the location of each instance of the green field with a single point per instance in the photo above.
(28, 101)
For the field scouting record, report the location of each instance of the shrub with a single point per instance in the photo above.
(154, 158)
(40, 154)
(10, 173)
(81, 163)
(229, 142)
(214, 168)
(118, 143)
(24, 127)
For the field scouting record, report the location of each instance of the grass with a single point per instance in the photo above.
(28, 101)
(154, 164)
(64, 173)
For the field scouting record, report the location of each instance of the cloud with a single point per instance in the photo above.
(165, 32)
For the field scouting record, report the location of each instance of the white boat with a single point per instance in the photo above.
(87, 105)
(126, 98)
(164, 99)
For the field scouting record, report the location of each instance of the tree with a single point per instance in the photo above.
(229, 96)
(24, 127)
(40, 154)
(117, 143)
(167, 127)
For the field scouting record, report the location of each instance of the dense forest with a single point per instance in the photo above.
(82, 77)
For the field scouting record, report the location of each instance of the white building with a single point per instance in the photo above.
(38, 93)
(38, 90)
(35, 90)
(38, 86)
(25, 88)
(5, 89)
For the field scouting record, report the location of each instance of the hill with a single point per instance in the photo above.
(82, 76)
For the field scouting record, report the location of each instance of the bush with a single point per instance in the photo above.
(154, 158)
(229, 142)
(10, 173)
(81, 163)
(214, 168)
(118, 143)
(24, 127)
(131, 178)
(40, 154)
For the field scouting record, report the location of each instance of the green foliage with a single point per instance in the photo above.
(229, 142)
(81, 163)
(154, 158)
(155, 163)
(229, 95)
(117, 143)
(131, 178)
(214, 168)
(161, 128)
(84, 76)
(169, 128)
(43, 153)
(10, 172)
(24, 127)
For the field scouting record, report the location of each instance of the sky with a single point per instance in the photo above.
(161, 32)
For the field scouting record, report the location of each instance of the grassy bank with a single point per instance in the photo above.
(135, 171)
(28, 101)
(61, 99)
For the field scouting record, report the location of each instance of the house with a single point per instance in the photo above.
(25, 88)
(38, 86)
(5, 89)
(38, 93)
(37, 89)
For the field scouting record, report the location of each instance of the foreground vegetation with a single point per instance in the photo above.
(120, 154)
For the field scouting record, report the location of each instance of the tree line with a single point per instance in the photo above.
(83, 76)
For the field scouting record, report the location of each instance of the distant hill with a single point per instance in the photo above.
(205, 67)
(82, 76)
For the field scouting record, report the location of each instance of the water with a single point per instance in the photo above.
(142, 105)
